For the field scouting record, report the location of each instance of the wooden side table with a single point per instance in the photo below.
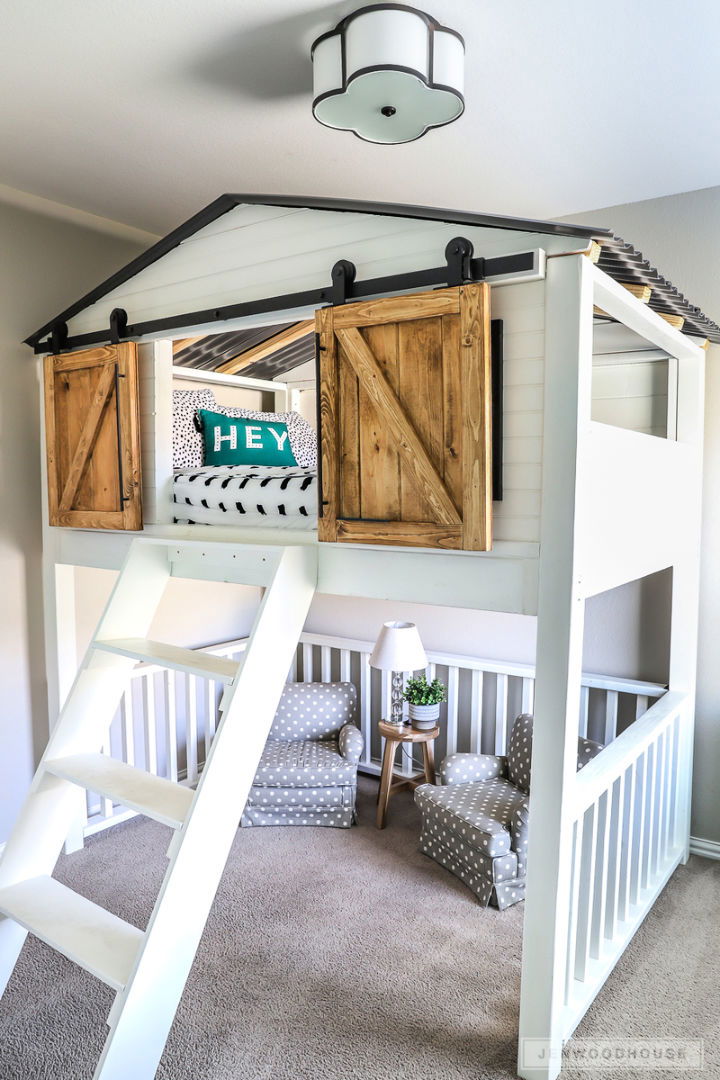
(394, 736)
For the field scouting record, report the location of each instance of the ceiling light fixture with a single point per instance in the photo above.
(388, 73)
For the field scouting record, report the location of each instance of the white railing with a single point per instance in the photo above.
(167, 719)
(629, 834)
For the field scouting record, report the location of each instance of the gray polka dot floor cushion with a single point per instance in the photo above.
(475, 823)
(308, 770)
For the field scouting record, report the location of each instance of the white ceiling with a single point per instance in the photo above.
(142, 111)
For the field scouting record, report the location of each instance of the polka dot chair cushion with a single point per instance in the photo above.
(476, 824)
(460, 768)
(187, 442)
(314, 710)
(303, 440)
(519, 755)
(477, 812)
(307, 774)
(310, 763)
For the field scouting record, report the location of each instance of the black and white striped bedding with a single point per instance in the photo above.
(278, 497)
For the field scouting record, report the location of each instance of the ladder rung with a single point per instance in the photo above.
(172, 656)
(87, 934)
(138, 790)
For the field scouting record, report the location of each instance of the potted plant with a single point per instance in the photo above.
(423, 700)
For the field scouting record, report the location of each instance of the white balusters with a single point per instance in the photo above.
(171, 747)
(501, 717)
(191, 728)
(476, 711)
(625, 843)
(366, 706)
(307, 655)
(452, 709)
(345, 665)
(527, 700)
(149, 723)
(584, 710)
(325, 664)
(612, 699)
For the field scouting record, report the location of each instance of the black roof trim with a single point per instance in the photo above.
(225, 203)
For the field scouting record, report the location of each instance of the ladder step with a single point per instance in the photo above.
(85, 933)
(172, 656)
(138, 790)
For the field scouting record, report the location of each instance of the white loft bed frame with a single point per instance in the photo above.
(617, 505)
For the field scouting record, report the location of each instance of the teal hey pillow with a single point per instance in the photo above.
(230, 440)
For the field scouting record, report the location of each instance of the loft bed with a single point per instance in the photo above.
(584, 474)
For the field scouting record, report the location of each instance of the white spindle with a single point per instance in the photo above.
(171, 727)
(575, 871)
(628, 861)
(674, 781)
(191, 740)
(639, 828)
(612, 699)
(648, 860)
(584, 710)
(430, 672)
(617, 841)
(586, 891)
(325, 664)
(307, 653)
(501, 709)
(366, 706)
(601, 875)
(210, 713)
(128, 726)
(452, 709)
(528, 695)
(476, 716)
(106, 805)
(149, 722)
(345, 665)
(659, 808)
(293, 673)
(641, 705)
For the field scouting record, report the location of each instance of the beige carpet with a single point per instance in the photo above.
(343, 954)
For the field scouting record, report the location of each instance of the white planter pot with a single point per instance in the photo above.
(424, 717)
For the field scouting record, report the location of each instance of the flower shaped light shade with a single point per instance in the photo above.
(388, 73)
(398, 649)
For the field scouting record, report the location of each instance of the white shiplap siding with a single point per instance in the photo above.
(255, 251)
(522, 309)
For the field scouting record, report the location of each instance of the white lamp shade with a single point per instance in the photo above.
(388, 73)
(398, 648)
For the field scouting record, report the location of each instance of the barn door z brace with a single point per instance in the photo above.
(459, 268)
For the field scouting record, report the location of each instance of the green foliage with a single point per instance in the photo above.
(420, 692)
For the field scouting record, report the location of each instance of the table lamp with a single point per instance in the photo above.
(398, 649)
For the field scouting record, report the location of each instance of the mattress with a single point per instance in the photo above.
(278, 497)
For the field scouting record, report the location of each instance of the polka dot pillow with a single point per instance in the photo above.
(303, 440)
(187, 441)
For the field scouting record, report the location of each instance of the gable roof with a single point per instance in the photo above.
(619, 259)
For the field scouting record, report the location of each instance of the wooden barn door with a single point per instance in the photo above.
(405, 416)
(93, 439)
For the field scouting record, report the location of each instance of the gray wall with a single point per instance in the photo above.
(45, 264)
(680, 235)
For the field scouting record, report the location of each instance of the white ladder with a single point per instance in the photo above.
(149, 969)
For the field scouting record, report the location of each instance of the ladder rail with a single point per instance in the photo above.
(52, 804)
(143, 1013)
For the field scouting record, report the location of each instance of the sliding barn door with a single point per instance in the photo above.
(93, 439)
(405, 417)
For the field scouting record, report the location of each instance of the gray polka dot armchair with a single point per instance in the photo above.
(476, 823)
(308, 770)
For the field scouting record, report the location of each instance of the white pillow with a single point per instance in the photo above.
(187, 441)
(303, 440)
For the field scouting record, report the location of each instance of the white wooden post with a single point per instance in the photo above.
(561, 609)
(686, 581)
